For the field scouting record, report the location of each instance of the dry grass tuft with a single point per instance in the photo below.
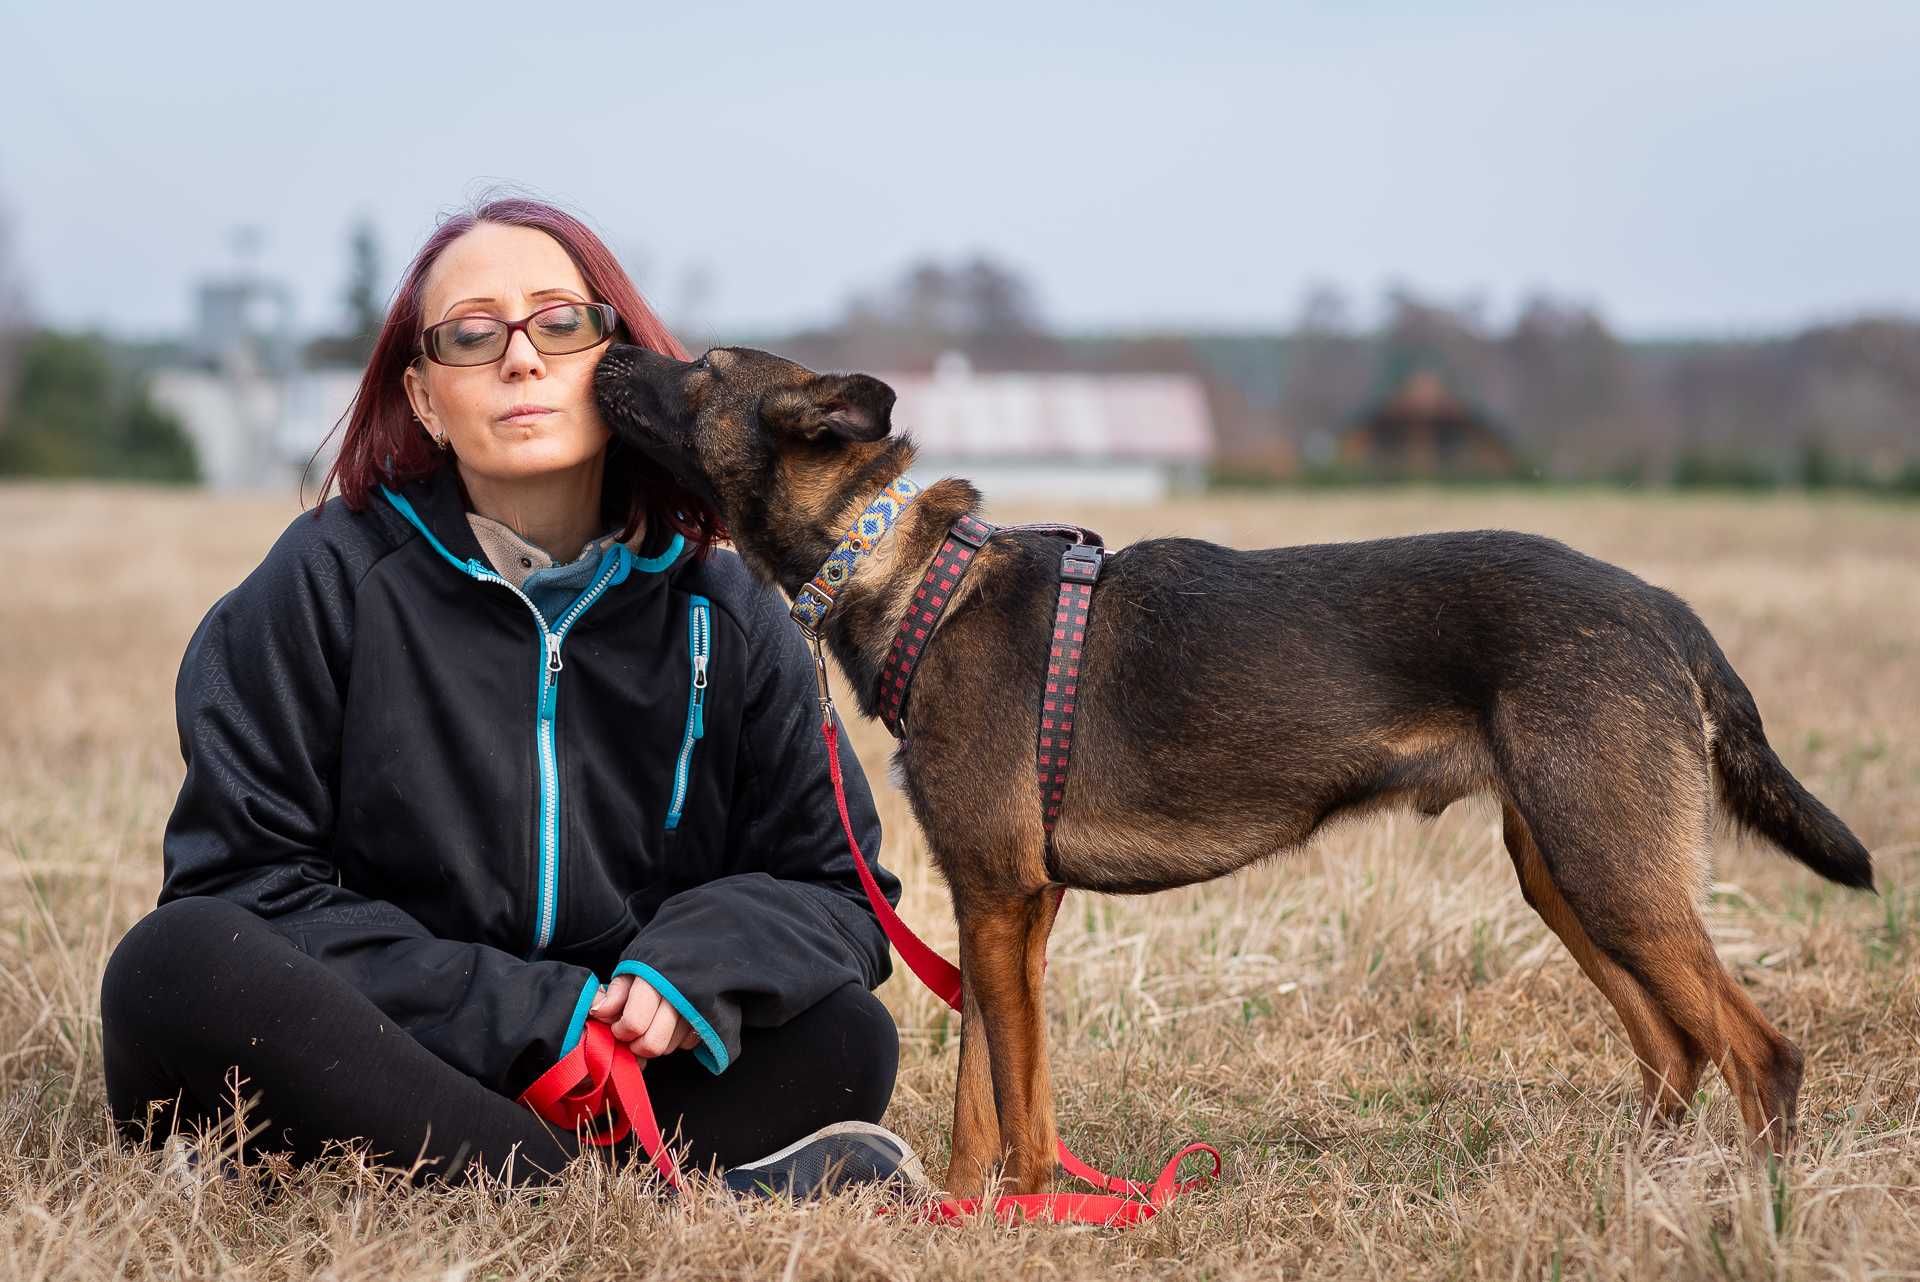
(1405, 1072)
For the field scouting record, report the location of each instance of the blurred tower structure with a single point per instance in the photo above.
(254, 413)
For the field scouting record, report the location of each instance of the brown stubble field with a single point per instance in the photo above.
(1405, 1072)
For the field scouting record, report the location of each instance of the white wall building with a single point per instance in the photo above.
(254, 414)
(255, 431)
(1123, 438)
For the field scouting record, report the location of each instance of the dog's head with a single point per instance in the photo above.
(777, 448)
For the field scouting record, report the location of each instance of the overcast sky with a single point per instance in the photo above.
(1692, 168)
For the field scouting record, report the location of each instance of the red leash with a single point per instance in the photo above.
(600, 1080)
(942, 978)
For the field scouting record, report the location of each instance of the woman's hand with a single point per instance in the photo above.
(641, 1018)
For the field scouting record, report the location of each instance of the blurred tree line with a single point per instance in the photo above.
(71, 413)
(1835, 404)
(363, 303)
(67, 409)
(975, 304)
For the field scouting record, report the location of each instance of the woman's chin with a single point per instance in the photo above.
(519, 453)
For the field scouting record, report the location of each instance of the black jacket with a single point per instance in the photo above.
(475, 819)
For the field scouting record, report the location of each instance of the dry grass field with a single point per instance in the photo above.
(1404, 1070)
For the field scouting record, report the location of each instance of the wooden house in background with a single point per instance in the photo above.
(1419, 425)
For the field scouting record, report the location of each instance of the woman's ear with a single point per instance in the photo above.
(416, 387)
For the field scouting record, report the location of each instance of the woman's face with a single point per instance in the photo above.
(486, 412)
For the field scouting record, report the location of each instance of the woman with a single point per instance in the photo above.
(495, 745)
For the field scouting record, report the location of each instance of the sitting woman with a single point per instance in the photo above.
(492, 746)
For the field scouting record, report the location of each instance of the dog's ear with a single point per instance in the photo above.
(858, 407)
(853, 407)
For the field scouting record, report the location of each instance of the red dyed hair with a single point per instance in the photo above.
(382, 443)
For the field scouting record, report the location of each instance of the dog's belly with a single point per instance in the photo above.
(1233, 703)
(1125, 838)
(1237, 702)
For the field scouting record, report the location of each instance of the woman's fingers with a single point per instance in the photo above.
(612, 999)
(663, 1033)
(640, 1018)
(642, 1005)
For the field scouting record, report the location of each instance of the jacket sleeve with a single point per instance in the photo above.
(259, 707)
(758, 947)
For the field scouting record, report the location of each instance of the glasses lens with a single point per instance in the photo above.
(471, 340)
(572, 327)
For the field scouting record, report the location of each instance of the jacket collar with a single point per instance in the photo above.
(435, 499)
(438, 511)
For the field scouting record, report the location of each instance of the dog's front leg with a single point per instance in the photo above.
(1003, 952)
(976, 1124)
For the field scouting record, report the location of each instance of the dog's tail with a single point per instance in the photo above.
(1759, 791)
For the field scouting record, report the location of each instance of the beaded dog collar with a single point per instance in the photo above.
(811, 603)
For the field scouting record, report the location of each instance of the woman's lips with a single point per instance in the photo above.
(524, 413)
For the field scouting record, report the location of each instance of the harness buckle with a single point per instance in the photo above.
(972, 531)
(809, 610)
(1082, 561)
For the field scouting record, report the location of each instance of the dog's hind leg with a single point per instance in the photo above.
(1003, 955)
(1675, 962)
(1617, 807)
(1669, 1066)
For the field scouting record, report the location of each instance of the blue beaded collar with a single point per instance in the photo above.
(811, 603)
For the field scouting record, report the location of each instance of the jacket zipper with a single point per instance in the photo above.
(699, 651)
(547, 703)
(547, 907)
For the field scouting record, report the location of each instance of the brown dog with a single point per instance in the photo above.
(1233, 702)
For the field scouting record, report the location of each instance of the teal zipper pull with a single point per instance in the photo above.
(699, 650)
(550, 683)
(699, 695)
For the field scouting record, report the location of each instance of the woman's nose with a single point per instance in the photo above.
(521, 359)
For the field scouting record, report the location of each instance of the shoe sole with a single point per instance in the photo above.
(907, 1166)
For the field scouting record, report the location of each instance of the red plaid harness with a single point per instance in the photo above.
(1080, 566)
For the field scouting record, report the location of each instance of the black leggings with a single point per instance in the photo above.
(201, 985)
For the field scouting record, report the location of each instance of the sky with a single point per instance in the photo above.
(1690, 168)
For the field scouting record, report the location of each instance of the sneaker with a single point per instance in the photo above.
(187, 1170)
(833, 1158)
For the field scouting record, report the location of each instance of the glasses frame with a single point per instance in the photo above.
(606, 310)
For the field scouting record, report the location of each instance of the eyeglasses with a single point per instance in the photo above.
(556, 331)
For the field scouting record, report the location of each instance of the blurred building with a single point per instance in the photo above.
(254, 412)
(1420, 426)
(1125, 438)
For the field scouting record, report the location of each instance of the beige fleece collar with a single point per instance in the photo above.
(514, 558)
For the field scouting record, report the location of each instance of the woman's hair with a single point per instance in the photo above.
(383, 443)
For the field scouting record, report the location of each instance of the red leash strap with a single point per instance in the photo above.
(1140, 1203)
(943, 978)
(599, 1080)
(940, 976)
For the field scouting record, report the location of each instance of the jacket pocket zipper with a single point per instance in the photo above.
(699, 650)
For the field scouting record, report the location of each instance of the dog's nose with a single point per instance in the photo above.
(616, 366)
